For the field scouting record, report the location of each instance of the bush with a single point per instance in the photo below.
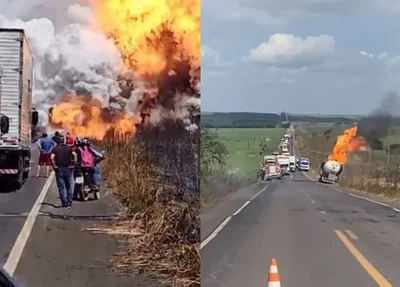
(156, 176)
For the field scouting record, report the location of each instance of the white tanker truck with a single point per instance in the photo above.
(330, 171)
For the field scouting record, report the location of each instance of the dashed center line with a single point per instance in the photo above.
(323, 212)
(351, 234)
(312, 201)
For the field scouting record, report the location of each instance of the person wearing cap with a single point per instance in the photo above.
(63, 160)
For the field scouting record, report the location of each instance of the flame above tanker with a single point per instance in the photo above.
(345, 143)
(153, 38)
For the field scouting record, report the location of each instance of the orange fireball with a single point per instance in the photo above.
(86, 118)
(151, 33)
(345, 143)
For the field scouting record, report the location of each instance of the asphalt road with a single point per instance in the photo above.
(61, 248)
(318, 235)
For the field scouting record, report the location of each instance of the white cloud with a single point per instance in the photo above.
(288, 50)
(208, 53)
(382, 56)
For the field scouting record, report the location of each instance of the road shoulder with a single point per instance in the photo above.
(376, 198)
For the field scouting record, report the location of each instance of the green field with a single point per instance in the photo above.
(244, 147)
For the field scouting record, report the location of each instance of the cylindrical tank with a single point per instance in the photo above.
(332, 166)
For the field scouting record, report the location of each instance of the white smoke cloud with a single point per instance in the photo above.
(75, 60)
(71, 57)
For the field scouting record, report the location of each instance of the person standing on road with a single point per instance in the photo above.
(56, 136)
(63, 159)
(69, 140)
(46, 145)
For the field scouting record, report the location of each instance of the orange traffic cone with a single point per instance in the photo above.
(273, 277)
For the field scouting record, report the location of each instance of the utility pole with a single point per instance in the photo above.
(369, 154)
(388, 155)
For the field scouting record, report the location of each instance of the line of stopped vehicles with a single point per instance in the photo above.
(283, 162)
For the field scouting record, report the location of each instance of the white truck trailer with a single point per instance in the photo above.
(292, 163)
(284, 163)
(16, 65)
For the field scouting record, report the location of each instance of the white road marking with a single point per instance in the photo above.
(352, 235)
(370, 200)
(241, 208)
(312, 201)
(337, 189)
(225, 222)
(323, 212)
(258, 193)
(19, 245)
(306, 175)
(357, 196)
(307, 194)
(215, 232)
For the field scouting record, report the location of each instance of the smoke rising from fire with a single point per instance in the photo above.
(377, 124)
(104, 65)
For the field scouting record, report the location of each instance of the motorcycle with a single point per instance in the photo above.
(84, 184)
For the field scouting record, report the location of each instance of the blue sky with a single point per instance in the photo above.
(304, 56)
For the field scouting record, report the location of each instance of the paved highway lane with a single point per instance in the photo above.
(319, 236)
(48, 246)
(15, 206)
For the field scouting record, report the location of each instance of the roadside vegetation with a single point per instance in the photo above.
(156, 177)
(376, 170)
(230, 158)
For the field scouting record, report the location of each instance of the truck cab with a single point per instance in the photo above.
(270, 168)
(304, 164)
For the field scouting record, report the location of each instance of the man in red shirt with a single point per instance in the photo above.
(69, 140)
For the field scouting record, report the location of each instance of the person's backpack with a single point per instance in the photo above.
(87, 158)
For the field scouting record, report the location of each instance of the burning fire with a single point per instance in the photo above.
(151, 33)
(85, 118)
(152, 36)
(345, 143)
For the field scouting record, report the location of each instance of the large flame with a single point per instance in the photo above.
(85, 118)
(151, 35)
(345, 143)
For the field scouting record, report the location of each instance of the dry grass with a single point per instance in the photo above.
(364, 171)
(156, 177)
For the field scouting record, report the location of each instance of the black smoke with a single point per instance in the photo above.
(377, 125)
